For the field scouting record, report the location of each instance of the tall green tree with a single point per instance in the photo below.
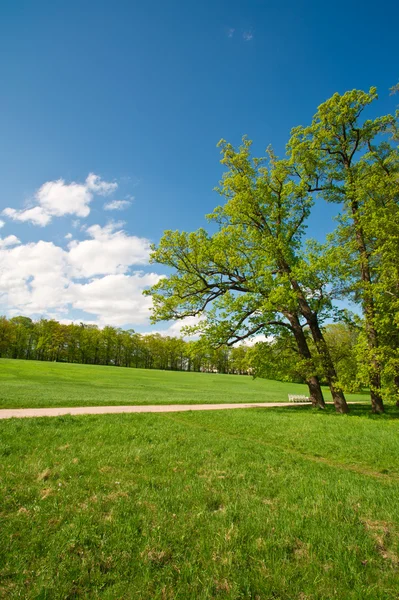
(354, 166)
(7, 336)
(251, 276)
(24, 336)
(239, 362)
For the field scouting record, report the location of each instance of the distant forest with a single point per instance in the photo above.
(49, 340)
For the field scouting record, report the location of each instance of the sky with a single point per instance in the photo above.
(110, 113)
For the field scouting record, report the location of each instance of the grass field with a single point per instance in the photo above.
(256, 504)
(42, 384)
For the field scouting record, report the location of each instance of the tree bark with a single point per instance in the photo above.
(313, 383)
(396, 384)
(311, 318)
(377, 404)
(330, 373)
(337, 394)
(315, 392)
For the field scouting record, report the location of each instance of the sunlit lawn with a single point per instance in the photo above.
(256, 504)
(34, 384)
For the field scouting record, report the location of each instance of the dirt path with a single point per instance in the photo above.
(9, 413)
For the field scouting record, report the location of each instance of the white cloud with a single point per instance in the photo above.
(93, 275)
(108, 252)
(36, 215)
(175, 330)
(64, 321)
(33, 277)
(57, 198)
(96, 185)
(117, 205)
(247, 36)
(10, 240)
(115, 299)
(44, 279)
(230, 32)
(260, 337)
(1, 223)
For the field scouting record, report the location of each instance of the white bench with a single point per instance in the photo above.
(297, 398)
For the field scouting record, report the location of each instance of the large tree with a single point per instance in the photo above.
(356, 167)
(251, 276)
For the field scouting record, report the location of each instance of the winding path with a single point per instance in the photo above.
(9, 413)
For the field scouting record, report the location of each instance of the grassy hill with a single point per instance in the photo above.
(44, 384)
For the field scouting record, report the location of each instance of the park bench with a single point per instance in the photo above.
(297, 398)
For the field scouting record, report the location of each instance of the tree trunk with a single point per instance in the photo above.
(396, 384)
(330, 373)
(377, 404)
(338, 396)
(327, 364)
(315, 392)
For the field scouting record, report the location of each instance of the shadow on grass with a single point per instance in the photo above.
(355, 410)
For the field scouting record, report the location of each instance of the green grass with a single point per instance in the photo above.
(42, 384)
(246, 504)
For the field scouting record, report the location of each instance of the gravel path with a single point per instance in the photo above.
(9, 413)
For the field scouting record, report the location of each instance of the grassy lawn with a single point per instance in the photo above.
(43, 384)
(257, 504)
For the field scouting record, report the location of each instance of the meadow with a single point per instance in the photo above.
(285, 503)
(33, 384)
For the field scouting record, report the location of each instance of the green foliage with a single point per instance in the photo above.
(343, 342)
(240, 278)
(355, 163)
(277, 359)
(252, 275)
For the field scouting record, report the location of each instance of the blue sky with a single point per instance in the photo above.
(139, 94)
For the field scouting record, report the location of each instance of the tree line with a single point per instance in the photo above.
(49, 340)
(261, 271)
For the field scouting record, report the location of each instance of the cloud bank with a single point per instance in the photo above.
(96, 275)
(101, 275)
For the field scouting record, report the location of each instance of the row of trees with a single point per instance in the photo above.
(260, 273)
(49, 340)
